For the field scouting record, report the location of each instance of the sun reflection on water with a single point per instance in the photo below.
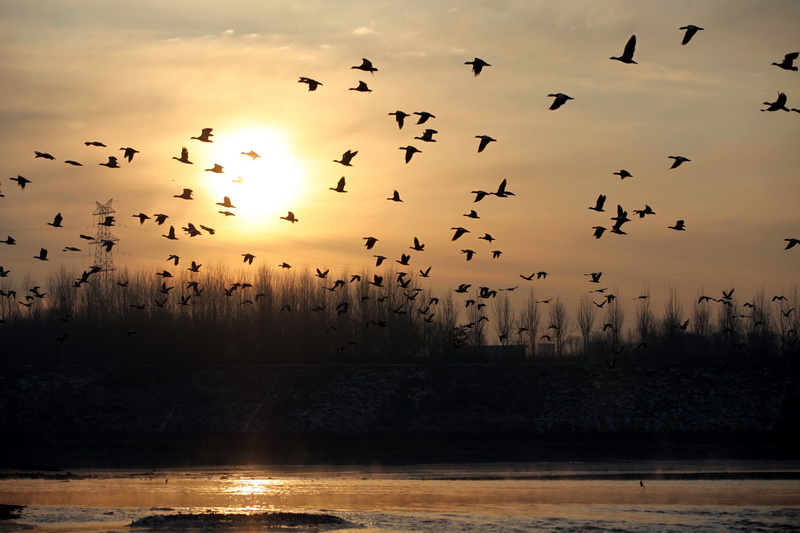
(252, 487)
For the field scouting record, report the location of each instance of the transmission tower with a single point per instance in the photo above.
(103, 257)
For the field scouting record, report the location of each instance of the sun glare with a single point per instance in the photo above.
(260, 174)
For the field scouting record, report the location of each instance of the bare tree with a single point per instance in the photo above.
(502, 318)
(615, 316)
(529, 320)
(585, 319)
(559, 324)
(673, 313)
(645, 321)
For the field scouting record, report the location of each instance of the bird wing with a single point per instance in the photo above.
(630, 47)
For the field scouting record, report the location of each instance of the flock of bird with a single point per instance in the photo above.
(478, 66)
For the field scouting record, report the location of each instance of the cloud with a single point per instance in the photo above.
(363, 30)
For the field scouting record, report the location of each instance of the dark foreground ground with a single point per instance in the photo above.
(147, 416)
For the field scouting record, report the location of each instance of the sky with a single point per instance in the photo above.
(151, 75)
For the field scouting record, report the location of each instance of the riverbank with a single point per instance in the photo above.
(389, 414)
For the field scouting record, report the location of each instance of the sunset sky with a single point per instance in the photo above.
(152, 74)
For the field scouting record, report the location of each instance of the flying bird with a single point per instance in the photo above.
(595, 277)
(43, 155)
(691, 29)
(226, 202)
(290, 217)
(646, 211)
(186, 194)
(248, 258)
(56, 223)
(470, 253)
(410, 151)
(679, 159)
(395, 197)
(366, 66)
(339, 185)
(627, 53)
(370, 242)
(598, 206)
(42, 255)
(184, 158)
(21, 181)
(560, 99)
(216, 169)
(361, 87)
(346, 158)
(623, 174)
(111, 163)
(788, 61)
(485, 140)
(160, 218)
(423, 116)
(477, 65)
(171, 234)
(205, 135)
(427, 136)
(679, 226)
(459, 231)
(791, 243)
(417, 246)
(251, 154)
(312, 84)
(129, 153)
(73, 163)
(95, 143)
(472, 214)
(501, 191)
(400, 117)
(777, 105)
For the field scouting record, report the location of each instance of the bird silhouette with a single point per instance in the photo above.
(216, 169)
(226, 202)
(366, 66)
(691, 29)
(129, 153)
(679, 225)
(321, 274)
(312, 84)
(472, 214)
(459, 231)
(205, 135)
(423, 116)
(560, 99)
(791, 242)
(395, 197)
(470, 253)
(477, 65)
(379, 259)
(248, 258)
(627, 53)
(346, 158)
(43, 155)
(595, 277)
(290, 217)
(339, 186)
(142, 217)
(42, 255)
(21, 181)
(487, 237)
(427, 136)
(111, 163)
(186, 194)
(95, 143)
(171, 234)
(646, 211)
(501, 191)
(370, 242)
(361, 87)
(623, 174)
(410, 151)
(679, 160)
(417, 246)
(161, 218)
(73, 163)
(184, 158)
(598, 206)
(400, 117)
(485, 140)
(404, 259)
(251, 154)
(174, 258)
(788, 61)
(194, 268)
(777, 105)
(425, 273)
(56, 223)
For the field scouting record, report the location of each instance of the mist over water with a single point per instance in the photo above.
(677, 496)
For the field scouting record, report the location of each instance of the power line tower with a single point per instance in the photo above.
(104, 240)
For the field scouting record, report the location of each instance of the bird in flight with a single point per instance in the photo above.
(56, 223)
(312, 84)
(160, 218)
(485, 140)
(395, 197)
(186, 194)
(470, 253)
(248, 258)
(472, 214)
(251, 154)
(111, 163)
(679, 226)
(216, 169)
(788, 61)
(361, 87)
(21, 181)
(410, 151)
(791, 243)
(290, 217)
(646, 211)
(184, 158)
(560, 99)
(679, 159)
(370, 242)
(423, 116)
(595, 277)
(339, 185)
(427, 136)
(501, 190)
(400, 117)
(205, 135)
(598, 206)
(346, 158)
(777, 105)
(42, 255)
(129, 153)
(627, 53)
(417, 246)
(95, 143)
(691, 29)
(366, 66)
(73, 163)
(226, 202)
(171, 234)
(477, 65)
(43, 155)
(459, 231)
(623, 174)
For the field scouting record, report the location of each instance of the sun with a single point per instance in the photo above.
(261, 175)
